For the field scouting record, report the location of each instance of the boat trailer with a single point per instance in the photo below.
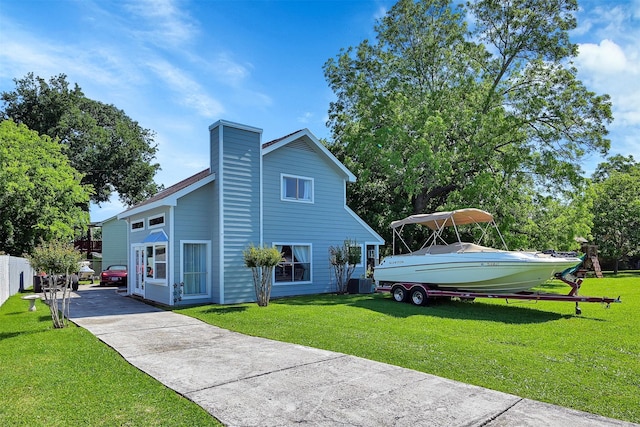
(419, 293)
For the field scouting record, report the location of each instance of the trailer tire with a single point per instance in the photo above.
(418, 296)
(399, 294)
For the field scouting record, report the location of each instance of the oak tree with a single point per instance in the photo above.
(441, 114)
(112, 151)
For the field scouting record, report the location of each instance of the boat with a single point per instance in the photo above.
(467, 266)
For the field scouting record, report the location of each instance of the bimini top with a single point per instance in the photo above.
(437, 220)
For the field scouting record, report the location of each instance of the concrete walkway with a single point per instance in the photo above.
(249, 381)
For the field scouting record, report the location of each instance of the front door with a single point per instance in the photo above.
(139, 270)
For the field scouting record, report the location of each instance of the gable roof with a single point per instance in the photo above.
(317, 146)
(170, 195)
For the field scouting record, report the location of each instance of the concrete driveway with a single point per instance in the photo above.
(248, 381)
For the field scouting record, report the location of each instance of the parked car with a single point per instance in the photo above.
(114, 275)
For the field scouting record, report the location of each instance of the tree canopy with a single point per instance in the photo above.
(436, 115)
(41, 195)
(113, 152)
(616, 207)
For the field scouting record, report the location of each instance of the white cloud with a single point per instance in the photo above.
(230, 70)
(305, 117)
(380, 13)
(614, 69)
(187, 91)
(102, 66)
(611, 21)
(163, 22)
(606, 57)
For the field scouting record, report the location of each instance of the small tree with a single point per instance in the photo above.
(261, 260)
(58, 259)
(343, 261)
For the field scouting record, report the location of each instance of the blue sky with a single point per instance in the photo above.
(176, 66)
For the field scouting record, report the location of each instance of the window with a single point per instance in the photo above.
(297, 188)
(156, 221)
(295, 265)
(137, 226)
(153, 253)
(194, 268)
(157, 262)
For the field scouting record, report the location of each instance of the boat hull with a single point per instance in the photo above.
(494, 272)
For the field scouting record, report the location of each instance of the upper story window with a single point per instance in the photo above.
(156, 221)
(137, 225)
(297, 188)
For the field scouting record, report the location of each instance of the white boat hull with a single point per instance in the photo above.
(494, 272)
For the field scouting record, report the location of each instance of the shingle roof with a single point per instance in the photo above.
(174, 188)
(275, 141)
(195, 178)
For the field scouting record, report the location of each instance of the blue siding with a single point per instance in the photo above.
(154, 292)
(324, 223)
(139, 236)
(114, 242)
(228, 213)
(194, 220)
(241, 201)
(214, 138)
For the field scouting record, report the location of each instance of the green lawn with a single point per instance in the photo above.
(539, 351)
(67, 377)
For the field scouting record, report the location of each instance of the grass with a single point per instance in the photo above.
(67, 377)
(539, 351)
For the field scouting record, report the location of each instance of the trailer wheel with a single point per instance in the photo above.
(399, 294)
(418, 296)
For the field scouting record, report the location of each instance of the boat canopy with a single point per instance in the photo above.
(438, 220)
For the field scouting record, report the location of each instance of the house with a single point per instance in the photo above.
(114, 250)
(185, 244)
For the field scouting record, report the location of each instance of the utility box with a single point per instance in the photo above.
(360, 286)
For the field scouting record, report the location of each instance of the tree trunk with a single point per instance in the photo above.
(262, 284)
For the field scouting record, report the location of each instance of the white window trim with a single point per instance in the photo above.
(376, 251)
(157, 225)
(151, 280)
(209, 272)
(133, 230)
(306, 282)
(285, 199)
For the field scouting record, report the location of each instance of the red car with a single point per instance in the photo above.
(114, 275)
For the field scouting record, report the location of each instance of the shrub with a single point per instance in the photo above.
(262, 260)
(343, 260)
(58, 259)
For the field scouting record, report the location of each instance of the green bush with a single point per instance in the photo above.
(56, 258)
(343, 260)
(262, 260)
